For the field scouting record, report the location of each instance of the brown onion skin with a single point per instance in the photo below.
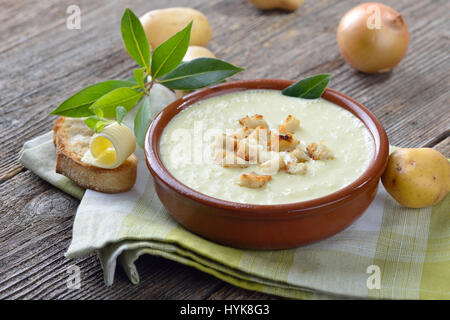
(373, 50)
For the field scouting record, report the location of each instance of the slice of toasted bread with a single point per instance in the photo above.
(71, 138)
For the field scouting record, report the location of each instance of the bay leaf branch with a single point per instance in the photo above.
(198, 73)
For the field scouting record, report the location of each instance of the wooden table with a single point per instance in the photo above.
(42, 62)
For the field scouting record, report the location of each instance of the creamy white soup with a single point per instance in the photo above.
(186, 146)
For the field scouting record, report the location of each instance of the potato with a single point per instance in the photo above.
(417, 178)
(194, 52)
(161, 24)
(288, 5)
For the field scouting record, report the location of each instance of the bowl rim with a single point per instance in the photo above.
(263, 211)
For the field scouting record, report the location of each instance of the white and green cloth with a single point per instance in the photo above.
(411, 247)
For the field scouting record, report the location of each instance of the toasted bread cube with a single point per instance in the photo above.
(280, 142)
(242, 150)
(273, 165)
(253, 180)
(226, 142)
(229, 159)
(296, 168)
(289, 125)
(261, 135)
(241, 133)
(300, 155)
(265, 155)
(319, 151)
(249, 150)
(253, 121)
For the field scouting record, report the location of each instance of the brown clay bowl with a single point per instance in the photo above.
(265, 226)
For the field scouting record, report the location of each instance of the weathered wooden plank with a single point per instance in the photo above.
(42, 63)
(444, 147)
(29, 21)
(36, 230)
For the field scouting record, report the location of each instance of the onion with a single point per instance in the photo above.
(373, 37)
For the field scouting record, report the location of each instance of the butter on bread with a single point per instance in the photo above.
(71, 137)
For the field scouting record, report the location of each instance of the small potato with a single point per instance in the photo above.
(288, 5)
(161, 24)
(417, 178)
(194, 52)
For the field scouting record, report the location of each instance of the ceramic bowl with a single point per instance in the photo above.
(278, 226)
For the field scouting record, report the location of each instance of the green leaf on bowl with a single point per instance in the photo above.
(309, 88)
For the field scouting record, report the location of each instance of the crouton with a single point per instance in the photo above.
(273, 165)
(253, 180)
(249, 150)
(226, 142)
(300, 155)
(319, 151)
(253, 121)
(289, 125)
(229, 159)
(241, 133)
(295, 168)
(261, 135)
(265, 155)
(280, 142)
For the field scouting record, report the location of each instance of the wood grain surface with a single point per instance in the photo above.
(42, 62)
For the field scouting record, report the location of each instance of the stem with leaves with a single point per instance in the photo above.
(103, 102)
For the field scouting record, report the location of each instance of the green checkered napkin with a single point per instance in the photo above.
(411, 247)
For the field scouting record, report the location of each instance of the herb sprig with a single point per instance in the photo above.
(105, 101)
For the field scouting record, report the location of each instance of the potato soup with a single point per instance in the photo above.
(188, 149)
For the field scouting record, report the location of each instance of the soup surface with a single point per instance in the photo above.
(186, 146)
